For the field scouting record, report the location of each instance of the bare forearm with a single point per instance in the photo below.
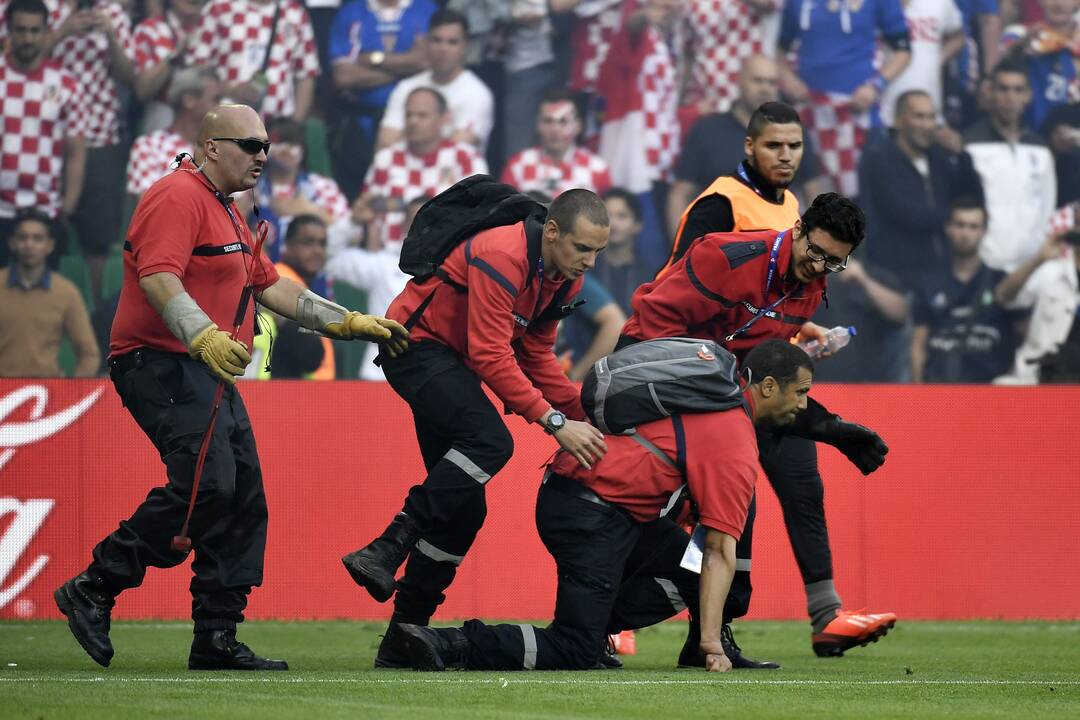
(305, 98)
(74, 172)
(952, 45)
(1010, 287)
(717, 570)
(989, 39)
(895, 64)
(918, 352)
(407, 63)
(603, 343)
(889, 303)
(160, 288)
(351, 76)
(281, 297)
(150, 82)
(121, 66)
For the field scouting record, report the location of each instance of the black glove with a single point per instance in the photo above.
(861, 445)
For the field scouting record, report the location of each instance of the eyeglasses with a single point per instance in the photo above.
(252, 146)
(832, 264)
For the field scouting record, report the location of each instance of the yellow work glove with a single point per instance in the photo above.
(226, 357)
(390, 334)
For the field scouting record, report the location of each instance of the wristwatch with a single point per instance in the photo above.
(377, 58)
(556, 421)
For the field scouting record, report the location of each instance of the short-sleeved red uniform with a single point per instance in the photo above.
(718, 286)
(181, 227)
(494, 325)
(721, 458)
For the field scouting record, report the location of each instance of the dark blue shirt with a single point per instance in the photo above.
(971, 338)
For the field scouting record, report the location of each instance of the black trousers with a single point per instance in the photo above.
(614, 574)
(170, 396)
(790, 463)
(464, 443)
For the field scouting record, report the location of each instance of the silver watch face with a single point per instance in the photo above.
(556, 421)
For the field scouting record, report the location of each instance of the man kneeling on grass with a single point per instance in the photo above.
(618, 551)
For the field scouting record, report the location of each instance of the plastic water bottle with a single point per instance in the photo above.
(835, 338)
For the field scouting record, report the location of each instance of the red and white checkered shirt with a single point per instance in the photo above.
(596, 23)
(720, 34)
(660, 101)
(397, 173)
(533, 169)
(838, 133)
(154, 39)
(37, 112)
(87, 57)
(232, 38)
(152, 156)
(318, 189)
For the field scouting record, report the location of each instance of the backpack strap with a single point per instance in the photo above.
(679, 463)
(651, 447)
(680, 442)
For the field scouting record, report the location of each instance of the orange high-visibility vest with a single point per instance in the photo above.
(751, 211)
(326, 370)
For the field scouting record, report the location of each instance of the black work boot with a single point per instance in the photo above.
(220, 650)
(392, 653)
(609, 659)
(374, 566)
(691, 655)
(88, 606)
(434, 648)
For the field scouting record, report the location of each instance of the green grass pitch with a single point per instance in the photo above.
(1025, 671)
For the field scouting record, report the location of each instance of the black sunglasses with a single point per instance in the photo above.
(252, 146)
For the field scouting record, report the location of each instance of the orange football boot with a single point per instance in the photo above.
(850, 629)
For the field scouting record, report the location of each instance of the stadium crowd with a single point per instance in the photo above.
(954, 123)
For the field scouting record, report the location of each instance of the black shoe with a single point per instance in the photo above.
(374, 566)
(608, 659)
(392, 653)
(220, 650)
(88, 608)
(692, 657)
(434, 648)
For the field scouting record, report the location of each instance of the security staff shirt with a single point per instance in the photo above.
(182, 227)
(721, 459)
(719, 286)
(494, 324)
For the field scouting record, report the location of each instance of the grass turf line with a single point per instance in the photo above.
(920, 670)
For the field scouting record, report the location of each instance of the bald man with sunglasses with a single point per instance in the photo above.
(188, 259)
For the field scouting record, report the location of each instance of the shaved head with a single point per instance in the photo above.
(223, 149)
(231, 121)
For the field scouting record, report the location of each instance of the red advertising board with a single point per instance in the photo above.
(975, 515)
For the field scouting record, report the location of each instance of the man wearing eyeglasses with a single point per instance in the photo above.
(743, 288)
(187, 263)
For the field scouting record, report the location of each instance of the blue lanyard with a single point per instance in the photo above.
(741, 172)
(762, 311)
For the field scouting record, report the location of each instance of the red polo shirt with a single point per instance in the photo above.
(493, 325)
(181, 227)
(718, 286)
(721, 467)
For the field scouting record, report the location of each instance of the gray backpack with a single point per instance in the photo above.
(660, 378)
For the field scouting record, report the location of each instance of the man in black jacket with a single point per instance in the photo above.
(906, 186)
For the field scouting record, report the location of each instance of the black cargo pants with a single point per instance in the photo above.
(464, 443)
(170, 396)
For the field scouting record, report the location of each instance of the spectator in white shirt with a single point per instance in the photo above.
(471, 105)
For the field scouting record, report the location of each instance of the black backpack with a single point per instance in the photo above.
(468, 207)
(660, 378)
